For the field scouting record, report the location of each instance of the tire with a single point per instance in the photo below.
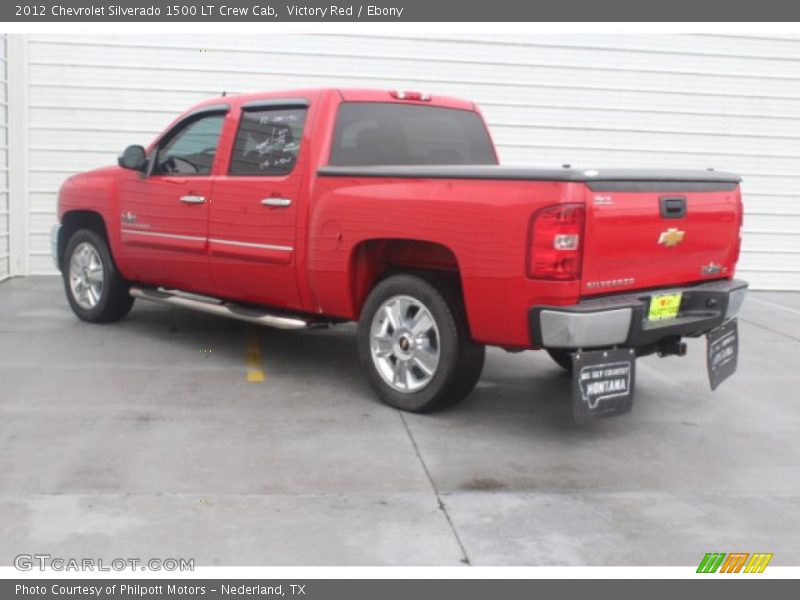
(562, 358)
(95, 290)
(428, 315)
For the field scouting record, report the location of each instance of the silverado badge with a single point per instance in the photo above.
(671, 237)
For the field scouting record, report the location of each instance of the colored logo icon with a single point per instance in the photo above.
(735, 562)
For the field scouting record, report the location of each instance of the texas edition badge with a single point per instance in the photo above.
(602, 383)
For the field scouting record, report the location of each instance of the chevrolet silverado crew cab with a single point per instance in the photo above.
(314, 207)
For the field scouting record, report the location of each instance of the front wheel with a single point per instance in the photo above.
(414, 344)
(95, 289)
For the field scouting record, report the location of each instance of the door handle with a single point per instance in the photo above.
(190, 199)
(281, 202)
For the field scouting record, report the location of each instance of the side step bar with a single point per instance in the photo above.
(220, 308)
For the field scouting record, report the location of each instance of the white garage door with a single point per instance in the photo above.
(4, 225)
(725, 102)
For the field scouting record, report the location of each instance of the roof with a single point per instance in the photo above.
(347, 95)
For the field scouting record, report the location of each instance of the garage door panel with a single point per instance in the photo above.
(92, 141)
(217, 67)
(196, 85)
(770, 280)
(580, 94)
(762, 261)
(47, 181)
(5, 230)
(771, 222)
(725, 45)
(656, 139)
(563, 55)
(43, 201)
(128, 98)
(755, 241)
(42, 220)
(41, 263)
(78, 118)
(63, 161)
(632, 120)
(556, 155)
(777, 205)
(214, 83)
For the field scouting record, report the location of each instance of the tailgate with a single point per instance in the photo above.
(650, 234)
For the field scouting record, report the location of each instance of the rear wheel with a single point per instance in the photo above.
(95, 289)
(415, 346)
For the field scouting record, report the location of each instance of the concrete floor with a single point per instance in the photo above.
(144, 439)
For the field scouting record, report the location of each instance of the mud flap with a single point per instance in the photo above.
(722, 352)
(602, 383)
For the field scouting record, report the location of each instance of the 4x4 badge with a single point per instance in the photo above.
(671, 237)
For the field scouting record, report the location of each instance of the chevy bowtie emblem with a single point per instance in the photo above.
(671, 237)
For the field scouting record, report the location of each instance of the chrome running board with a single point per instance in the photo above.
(218, 307)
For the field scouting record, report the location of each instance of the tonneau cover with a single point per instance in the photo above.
(530, 173)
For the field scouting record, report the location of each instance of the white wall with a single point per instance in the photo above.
(4, 226)
(727, 102)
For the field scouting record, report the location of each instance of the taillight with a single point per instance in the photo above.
(554, 242)
(738, 247)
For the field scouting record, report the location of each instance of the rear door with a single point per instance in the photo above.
(164, 214)
(253, 219)
(650, 234)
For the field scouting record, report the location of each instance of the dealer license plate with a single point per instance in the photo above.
(664, 306)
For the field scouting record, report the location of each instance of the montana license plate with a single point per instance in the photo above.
(664, 306)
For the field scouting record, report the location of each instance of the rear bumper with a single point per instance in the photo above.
(621, 320)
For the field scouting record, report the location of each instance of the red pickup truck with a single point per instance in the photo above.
(311, 207)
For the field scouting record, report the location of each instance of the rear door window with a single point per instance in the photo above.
(383, 133)
(268, 141)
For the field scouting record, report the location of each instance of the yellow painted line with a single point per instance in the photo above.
(252, 359)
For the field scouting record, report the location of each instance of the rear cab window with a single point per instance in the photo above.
(390, 133)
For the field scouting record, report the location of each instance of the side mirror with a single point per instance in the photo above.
(133, 157)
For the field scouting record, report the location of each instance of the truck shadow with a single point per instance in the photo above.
(528, 385)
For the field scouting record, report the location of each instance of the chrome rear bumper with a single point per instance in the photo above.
(621, 320)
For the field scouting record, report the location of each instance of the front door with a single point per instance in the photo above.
(252, 220)
(164, 215)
